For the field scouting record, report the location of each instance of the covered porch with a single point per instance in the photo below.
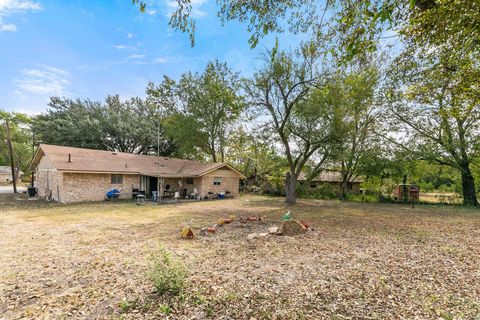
(171, 187)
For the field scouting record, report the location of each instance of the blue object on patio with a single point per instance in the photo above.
(112, 194)
(221, 196)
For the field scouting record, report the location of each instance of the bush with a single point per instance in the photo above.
(323, 191)
(272, 188)
(367, 197)
(167, 274)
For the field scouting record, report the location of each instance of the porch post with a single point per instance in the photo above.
(159, 189)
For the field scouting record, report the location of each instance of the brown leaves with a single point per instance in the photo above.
(370, 261)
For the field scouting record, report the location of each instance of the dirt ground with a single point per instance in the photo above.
(362, 261)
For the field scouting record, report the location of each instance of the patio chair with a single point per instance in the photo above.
(194, 194)
(211, 195)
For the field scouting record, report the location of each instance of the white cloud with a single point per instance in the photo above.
(197, 11)
(125, 47)
(7, 27)
(44, 80)
(18, 5)
(152, 12)
(9, 7)
(136, 56)
(130, 35)
(160, 60)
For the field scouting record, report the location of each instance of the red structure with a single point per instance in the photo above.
(412, 193)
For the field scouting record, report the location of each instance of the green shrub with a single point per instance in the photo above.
(272, 187)
(165, 309)
(167, 274)
(127, 305)
(363, 197)
(322, 191)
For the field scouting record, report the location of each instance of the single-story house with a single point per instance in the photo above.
(334, 179)
(6, 174)
(67, 174)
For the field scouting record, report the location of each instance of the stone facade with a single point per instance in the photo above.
(49, 183)
(178, 184)
(229, 181)
(68, 187)
(204, 185)
(78, 187)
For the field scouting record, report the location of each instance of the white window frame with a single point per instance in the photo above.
(217, 181)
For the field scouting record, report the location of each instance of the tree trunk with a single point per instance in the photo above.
(290, 187)
(468, 187)
(344, 189)
(12, 163)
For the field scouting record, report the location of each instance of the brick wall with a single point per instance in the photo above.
(93, 187)
(48, 179)
(230, 184)
(175, 186)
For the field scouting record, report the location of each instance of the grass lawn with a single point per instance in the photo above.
(362, 261)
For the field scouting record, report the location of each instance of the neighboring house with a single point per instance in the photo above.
(67, 174)
(334, 179)
(6, 174)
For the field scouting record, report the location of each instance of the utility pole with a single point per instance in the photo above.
(33, 156)
(10, 149)
(158, 156)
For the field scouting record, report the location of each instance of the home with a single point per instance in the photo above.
(6, 174)
(67, 174)
(334, 179)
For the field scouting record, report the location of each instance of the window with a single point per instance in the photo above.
(117, 179)
(313, 185)
(189, 180)
(217, 181)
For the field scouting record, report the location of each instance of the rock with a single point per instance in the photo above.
(211, 230)
(292, 227)
(273, 230)
(263, 234)
(252, 236)
(307, 225)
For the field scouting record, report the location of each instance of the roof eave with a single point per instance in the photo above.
(221, 165)
(36, 158)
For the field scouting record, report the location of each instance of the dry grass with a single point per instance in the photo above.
(363, 261)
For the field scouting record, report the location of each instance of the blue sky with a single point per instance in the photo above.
(89, 49)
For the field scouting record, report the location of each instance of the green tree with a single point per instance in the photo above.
(133, 126)
(435, 94)
(358, 26)
(200, 109)
(297, 115)
(354, 94)
(253, 153)
(125, 126)
(67, 121)
(16, 142)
